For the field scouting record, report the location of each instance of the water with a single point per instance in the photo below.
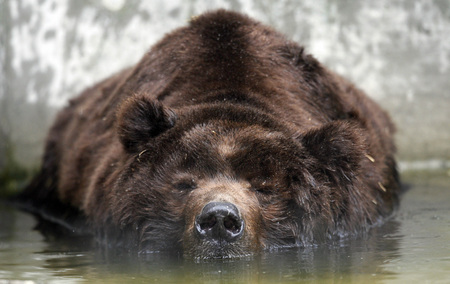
(414, 247)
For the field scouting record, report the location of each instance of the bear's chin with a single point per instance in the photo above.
(217, 250)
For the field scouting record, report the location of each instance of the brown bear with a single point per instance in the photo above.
(224, 140)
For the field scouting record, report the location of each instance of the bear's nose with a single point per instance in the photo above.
(219, 221)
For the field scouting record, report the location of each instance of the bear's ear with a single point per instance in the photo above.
(139, 119)
(338, 146)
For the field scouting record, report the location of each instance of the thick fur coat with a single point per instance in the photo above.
(225, 139)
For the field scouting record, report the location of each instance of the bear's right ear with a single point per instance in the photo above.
(139, 119)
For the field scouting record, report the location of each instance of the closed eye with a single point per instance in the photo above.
(187, 185)
(263, 190)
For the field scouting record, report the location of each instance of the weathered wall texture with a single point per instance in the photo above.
(397, 51)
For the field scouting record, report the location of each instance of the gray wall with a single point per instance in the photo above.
(397, 51)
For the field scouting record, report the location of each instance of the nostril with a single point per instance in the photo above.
(208, 222)
(219, 221)
(231, 224)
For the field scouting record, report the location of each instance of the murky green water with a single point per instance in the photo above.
(414, 247)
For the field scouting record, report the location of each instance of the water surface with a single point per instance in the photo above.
(413, 247)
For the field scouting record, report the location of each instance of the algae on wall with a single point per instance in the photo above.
(13, 176)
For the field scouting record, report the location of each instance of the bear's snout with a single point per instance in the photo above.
(222, 220)
(219, 221)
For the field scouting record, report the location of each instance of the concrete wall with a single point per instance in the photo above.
(398, 51)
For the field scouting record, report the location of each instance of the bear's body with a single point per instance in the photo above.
(225, 139)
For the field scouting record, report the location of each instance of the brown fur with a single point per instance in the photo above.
(224, 109)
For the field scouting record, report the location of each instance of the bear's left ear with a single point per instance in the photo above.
(139, 119)
(338, 146)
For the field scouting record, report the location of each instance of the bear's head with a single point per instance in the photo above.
(226, 180)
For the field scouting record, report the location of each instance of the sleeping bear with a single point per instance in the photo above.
(225, 140)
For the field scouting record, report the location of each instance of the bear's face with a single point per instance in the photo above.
(225, 184)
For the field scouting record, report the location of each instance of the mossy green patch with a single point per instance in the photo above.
(13, 175)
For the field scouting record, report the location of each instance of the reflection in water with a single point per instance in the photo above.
(347, 261)
(412, 246)
(76, 259)
(356, 260)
